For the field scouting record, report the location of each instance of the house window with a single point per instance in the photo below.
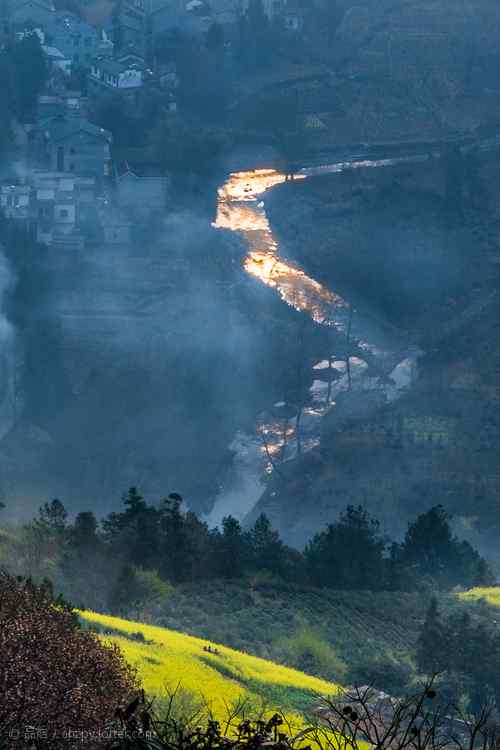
(72, 151)
(71, 167)
(63, 213)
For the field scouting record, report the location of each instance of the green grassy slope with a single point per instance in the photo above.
(373, 633)
(360, 626)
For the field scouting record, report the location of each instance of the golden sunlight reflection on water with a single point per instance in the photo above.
(239, 210)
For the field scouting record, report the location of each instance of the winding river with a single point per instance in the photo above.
(241, 209)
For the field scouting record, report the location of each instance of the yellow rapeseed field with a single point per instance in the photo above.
(169, 658)
(491, 594)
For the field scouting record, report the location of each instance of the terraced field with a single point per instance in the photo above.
(359, 625)
(166, 659)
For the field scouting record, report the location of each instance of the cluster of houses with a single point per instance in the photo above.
(196, 16)
(111, 55)
(131, 25)
(68, 211)
(62, 191)
(64, 194)
(65, 189)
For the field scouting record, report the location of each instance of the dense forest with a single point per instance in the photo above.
(132, 556)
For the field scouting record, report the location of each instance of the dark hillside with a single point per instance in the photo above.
(433, 272)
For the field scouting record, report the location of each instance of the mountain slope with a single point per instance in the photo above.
(166, 658)
(260, 617)
(391, 241)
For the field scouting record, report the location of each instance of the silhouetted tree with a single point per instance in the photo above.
(29, 74)
(84, 531)
(52, 516)
(268, 551)
(254, 50)
(133, 534)
(430, 550)
(432, 644)
(349, 554)
(175, 549)
(200, 543)
(233, 550)
(43, 539)
(464, 652)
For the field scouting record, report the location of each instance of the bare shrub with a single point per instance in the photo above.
(59, 684)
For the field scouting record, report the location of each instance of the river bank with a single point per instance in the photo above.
(384, 237)
(432, 445)
(375, 348)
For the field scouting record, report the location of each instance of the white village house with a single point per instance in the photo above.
(111, 75)
(15, 202)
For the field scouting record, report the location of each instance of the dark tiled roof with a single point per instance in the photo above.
(112, 67)
(60, 128)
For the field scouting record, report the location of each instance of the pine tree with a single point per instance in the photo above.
(267, 548)
(84, 531)
(174, 548)
(433, 552)
(30, 72)
(233, 550)
(432, 644)
(52, 516)
(133, 534)
(349, 554)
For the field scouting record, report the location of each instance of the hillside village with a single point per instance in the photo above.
(70, 178)
(130, 89)
(65, 159)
